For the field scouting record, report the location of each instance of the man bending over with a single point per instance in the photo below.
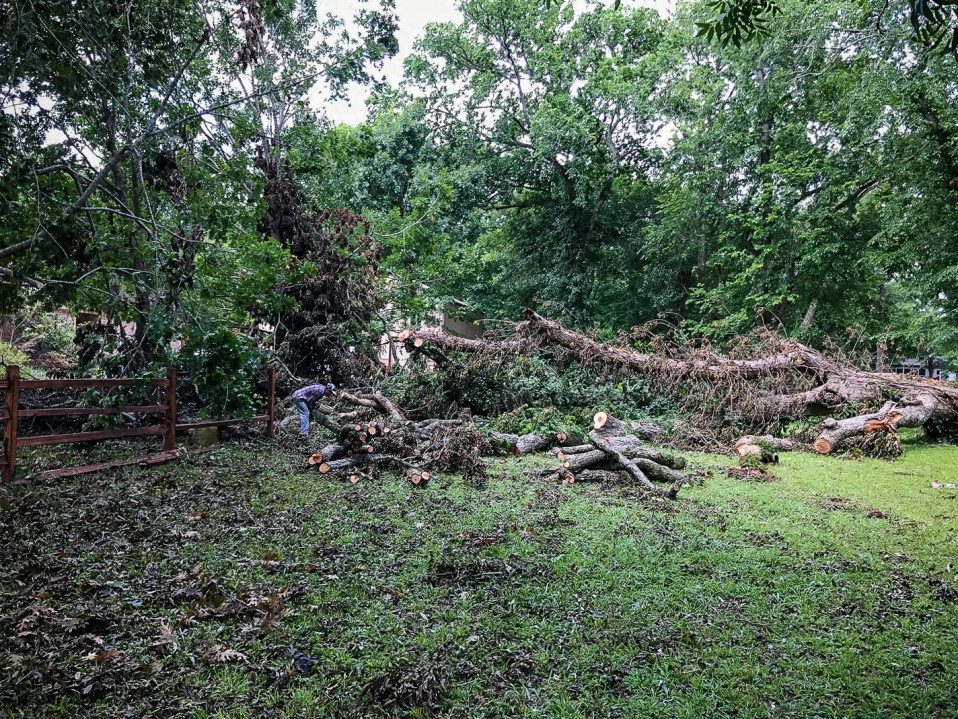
(305, 399)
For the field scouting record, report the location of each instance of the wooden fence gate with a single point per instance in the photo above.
(11, 414)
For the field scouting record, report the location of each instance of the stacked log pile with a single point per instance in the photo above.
(614, 453)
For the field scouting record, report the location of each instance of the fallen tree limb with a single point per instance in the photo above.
(792, 381)
(144, 461)
(376, 401)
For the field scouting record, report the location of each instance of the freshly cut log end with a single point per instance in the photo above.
(561, 437)
(822, 445)
(599, 420)
(317, 458)
(354, 478)
(418, 478)
(372, 430)
(323, 468)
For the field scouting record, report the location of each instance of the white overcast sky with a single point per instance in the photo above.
(413, 16)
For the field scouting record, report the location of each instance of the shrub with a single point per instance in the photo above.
(223, 366)
(10, 355)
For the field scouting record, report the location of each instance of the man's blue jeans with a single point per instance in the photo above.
(304, 415)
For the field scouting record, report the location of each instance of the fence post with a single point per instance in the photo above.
(10, 430)
(271, 399)
(169, 437)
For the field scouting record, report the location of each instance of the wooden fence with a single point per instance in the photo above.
(168, 427)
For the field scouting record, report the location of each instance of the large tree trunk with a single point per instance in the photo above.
(792, 382)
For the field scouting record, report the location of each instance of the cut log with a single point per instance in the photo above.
(836, 434)
(606, 476)
(658, 472)
(776, 443)
(577, 462)
(753, 450)
(332, 451)
(418, 478)
(575, 449)
(627, 464)
(752, 454)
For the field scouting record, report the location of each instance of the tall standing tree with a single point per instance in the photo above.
(544, 120)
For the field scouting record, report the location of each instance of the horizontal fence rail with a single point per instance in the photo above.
(45, 439)
(11, 413)
(67, 411)
(85, 382)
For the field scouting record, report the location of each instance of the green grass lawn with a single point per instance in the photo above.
(238, 585)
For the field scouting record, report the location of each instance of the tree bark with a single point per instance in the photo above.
(792, 382)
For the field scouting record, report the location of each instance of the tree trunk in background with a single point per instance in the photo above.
(792, 382)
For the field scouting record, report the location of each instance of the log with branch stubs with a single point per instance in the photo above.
(614, 454)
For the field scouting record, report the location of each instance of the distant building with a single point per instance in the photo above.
(933, 367)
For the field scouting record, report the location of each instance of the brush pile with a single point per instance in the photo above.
(378, 435)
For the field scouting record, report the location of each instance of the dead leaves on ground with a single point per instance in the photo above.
(208, 600)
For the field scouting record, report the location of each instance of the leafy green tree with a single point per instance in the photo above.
(136, 143)
(544, 129)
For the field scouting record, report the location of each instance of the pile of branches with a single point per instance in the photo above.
(724, 395)
(614, 454)
(378, 435)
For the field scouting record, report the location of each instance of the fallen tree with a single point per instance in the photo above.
(788, 381)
